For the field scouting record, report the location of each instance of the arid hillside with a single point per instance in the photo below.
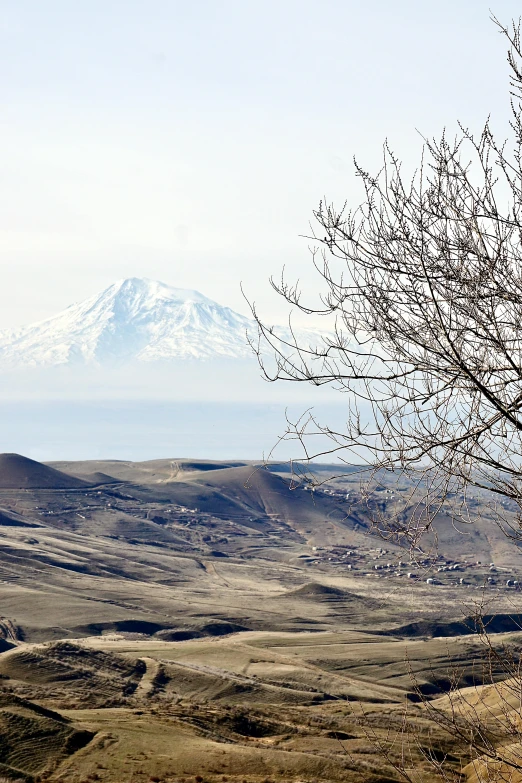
(177, 620)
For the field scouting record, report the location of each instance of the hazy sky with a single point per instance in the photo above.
(190, 141)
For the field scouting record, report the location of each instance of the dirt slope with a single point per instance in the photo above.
(17, 472)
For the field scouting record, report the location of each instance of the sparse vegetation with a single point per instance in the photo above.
(172, 660)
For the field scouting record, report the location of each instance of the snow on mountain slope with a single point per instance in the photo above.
(133, 320)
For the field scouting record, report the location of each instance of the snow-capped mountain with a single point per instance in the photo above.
(133, 320)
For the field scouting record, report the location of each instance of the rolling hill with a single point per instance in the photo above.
(18, 472)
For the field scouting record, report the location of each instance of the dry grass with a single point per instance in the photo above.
(110, 575)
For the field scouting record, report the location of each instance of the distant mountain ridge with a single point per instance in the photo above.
(132, 320)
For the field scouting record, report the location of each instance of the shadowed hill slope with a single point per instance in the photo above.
(11, 519)
(258, 489)
(489, 624)
(315, 591)
(254, 487)
(17, 472)
(33, 738)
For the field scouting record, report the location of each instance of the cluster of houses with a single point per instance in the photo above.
(439, 570)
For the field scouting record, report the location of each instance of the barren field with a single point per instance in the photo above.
(174, 619)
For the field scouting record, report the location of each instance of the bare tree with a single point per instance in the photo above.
(423, 282)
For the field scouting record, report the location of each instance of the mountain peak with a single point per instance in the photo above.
(134, 319)
(144, 288)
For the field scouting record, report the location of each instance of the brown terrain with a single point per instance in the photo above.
(178, 620)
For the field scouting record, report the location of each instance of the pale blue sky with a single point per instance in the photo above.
(190, 141)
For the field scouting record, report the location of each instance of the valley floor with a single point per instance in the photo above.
(250, 706)
(187, 621)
